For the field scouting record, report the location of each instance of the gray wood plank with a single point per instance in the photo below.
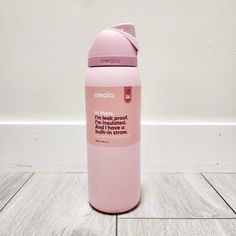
(54, 204)
(225, 185)
(177, 227)
(10, 183)
(179, 196)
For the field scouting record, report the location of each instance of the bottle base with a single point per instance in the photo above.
(125, 211)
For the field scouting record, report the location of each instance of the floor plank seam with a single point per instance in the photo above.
(173, 218)
(116, 225)
(218, 173)
(169, 172)
(16, 193)
(60, 172)
(218, 193)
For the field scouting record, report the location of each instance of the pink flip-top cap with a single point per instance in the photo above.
(116, 46)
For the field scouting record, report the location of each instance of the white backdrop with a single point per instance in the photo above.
(187, 63)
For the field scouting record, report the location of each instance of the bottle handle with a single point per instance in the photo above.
(128, 31)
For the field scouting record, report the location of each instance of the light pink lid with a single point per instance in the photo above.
(116, 46)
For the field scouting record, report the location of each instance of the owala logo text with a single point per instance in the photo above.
(108, 60)
(107, 95)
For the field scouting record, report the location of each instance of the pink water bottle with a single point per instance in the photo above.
(113, 95)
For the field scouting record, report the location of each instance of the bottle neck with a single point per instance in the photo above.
(112, 61)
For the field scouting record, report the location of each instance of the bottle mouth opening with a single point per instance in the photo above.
(112, 61)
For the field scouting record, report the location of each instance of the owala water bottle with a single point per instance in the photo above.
(113, 94)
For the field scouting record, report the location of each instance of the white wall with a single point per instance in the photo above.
(187, 59)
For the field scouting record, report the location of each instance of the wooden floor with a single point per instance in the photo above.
(171, 204)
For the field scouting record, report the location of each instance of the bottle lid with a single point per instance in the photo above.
(115, 46)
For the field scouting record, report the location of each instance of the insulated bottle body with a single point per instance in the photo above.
(113, 96)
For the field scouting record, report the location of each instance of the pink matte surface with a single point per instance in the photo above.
(118, 43)
(114, 172)
(114, 177)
